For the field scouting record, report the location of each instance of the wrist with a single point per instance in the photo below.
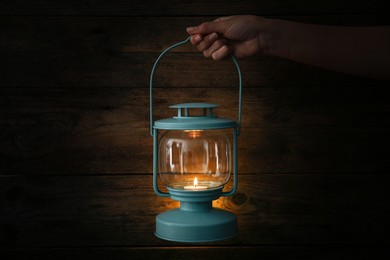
(267, 36)
(272, 38)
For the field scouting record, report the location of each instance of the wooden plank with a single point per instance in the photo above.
(188, 7)
(105, 130)
(272, 209)
(75, 154)
(123, 34)
(279, 107)
(205, 252)
(132, 70)
(111, 150)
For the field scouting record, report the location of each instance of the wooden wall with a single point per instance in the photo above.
(76, 155)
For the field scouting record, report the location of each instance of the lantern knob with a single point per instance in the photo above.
(207, 109)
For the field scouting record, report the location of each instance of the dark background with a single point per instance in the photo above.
(76, 154)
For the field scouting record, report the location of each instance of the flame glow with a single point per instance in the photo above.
(194, 133)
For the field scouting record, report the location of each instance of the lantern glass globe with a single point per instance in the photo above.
(201, 159)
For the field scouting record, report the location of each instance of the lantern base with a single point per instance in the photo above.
(196, 221)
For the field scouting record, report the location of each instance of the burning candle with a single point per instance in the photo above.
(195, 186)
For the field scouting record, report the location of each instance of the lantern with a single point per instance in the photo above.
(194, 157)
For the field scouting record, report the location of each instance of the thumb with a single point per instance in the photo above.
(218, 26)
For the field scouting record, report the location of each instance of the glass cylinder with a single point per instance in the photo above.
(194, 159)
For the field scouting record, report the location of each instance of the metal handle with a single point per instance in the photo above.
(151, 85)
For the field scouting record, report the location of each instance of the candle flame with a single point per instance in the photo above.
(194, 133)
(196, 182)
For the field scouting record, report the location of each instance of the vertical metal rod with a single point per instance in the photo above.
(151, 80)
(235, 166)
(210, 111)
(155, 165)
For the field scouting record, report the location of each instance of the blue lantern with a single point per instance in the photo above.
(193, 155)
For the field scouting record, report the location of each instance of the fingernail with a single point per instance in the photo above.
(191, 29)
(213, 37)
(197, 38)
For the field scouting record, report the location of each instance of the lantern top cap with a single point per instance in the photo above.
(194, 123)
(194, 105)
(187, 121)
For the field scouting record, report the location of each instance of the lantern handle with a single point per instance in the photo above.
(154, 69)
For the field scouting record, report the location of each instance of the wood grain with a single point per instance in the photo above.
(87, 130)
(124, 34)
(188, 7)
(272, 209)
(115, 151)
(206, 252)
(75, 150)
(132, 70)
(262, 107)
(112, 52)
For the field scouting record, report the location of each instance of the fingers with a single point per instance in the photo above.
(207, 41)
(203, 28)
(211, 45)
(213, 48)
(221, 53)
(203, 42)
(196, 39)
(205, 37)
(219, 26)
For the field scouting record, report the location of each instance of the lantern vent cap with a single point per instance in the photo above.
(183, 110)
(185, 120)
(194, 105)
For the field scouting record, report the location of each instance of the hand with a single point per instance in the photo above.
(239, 35)
(330, 47)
